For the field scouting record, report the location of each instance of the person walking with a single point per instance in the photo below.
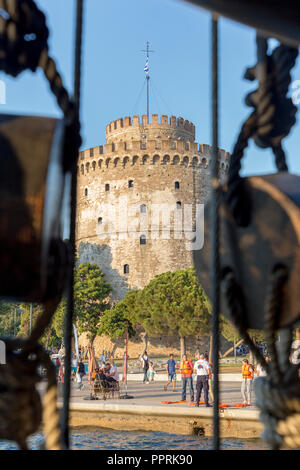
(171, 371)
(247, 379)
(186, 371)
(145, 365)
(80, 373)
(202, 369)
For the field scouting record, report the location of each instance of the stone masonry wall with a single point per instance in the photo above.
(147, 181)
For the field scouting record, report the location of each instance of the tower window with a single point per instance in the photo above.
(177, 185)
(178, 205)
(143, 209)
(126, 268)
(107, 187)
(143, 240)
(130, 184)
(100, 221)
(86, 191)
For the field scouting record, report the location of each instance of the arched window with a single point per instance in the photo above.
(86, 191)
(143, 240)
(107, 187)
(178, 205)
(143, 209)
(100, 220)
(126, 268)
(130, 184)
(177, 185)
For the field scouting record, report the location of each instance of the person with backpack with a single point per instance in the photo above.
(145, 365)
(80, 373)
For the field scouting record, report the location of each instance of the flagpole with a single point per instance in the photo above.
(148, 78)
(146, 69)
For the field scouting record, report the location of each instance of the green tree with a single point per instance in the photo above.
(49, 339)
(174, 303)
(91, 298)
(114, 322)
(9, 319)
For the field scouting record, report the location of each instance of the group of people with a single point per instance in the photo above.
(201, 368)
(107, 373)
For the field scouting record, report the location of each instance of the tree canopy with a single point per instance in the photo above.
(114, 323)
(91, 298)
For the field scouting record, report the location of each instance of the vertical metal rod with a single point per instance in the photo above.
(70, 296)
(214, 220)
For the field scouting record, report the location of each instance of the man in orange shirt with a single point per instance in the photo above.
(247, 379)
(186, 370)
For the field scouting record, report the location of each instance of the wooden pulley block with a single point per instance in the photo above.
(32, 254)
(272, 238)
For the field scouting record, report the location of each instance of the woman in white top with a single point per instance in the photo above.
(260, 371)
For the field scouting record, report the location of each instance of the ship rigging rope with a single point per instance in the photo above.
(271, 120)
(278, 393)
(24, 45)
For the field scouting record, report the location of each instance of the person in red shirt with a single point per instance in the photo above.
(186, 370)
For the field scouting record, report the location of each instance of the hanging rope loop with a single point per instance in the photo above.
(272, 118)
(23, 36)
(21, 408)
(24, 46)
(277, 394)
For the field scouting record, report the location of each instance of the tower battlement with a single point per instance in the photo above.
(139, 128)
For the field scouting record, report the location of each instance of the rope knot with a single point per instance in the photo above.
(271, 120)
(280, 406)
(275, 114)
(23, 37)
(20, 403)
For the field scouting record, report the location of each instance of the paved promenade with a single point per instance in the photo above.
(146, 412)
(153, 393)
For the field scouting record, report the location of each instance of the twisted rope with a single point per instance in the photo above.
(21, 409)
(24, 45)
(233, 294)
(278, 393)
(271, 120)
(50, 411)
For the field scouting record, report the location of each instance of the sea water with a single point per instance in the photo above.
(133, 440)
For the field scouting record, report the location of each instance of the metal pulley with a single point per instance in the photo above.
(271, 239)
(32, 254)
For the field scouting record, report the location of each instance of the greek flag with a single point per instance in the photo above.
(146, 68)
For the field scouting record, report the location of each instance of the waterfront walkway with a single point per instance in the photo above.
(153, 393)
(145, 412)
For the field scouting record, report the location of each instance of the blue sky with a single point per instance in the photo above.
(115, 31)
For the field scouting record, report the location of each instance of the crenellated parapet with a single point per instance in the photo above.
(122, 156)
(140, 128)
